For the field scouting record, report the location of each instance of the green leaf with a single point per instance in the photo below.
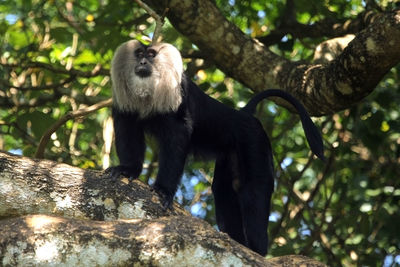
(36, 122)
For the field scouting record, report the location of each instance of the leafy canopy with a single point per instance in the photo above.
(55, 57)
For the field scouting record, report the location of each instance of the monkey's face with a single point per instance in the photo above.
(144, 61)
(146, 79)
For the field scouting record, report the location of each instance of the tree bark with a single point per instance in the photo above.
(166, 241)
(104, 223)
(30, 186)
(323, 88)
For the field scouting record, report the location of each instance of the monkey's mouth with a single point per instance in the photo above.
(142, 71)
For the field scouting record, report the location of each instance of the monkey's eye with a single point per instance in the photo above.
(151, 53)
(139, 53)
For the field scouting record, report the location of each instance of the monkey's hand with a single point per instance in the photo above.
(166, 198)
(116, 171)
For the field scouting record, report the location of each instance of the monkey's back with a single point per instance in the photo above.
(216, 127)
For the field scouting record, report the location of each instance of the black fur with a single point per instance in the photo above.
(243, 180)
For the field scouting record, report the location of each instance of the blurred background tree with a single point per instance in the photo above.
(55, 58)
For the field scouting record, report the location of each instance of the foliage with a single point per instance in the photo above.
(55, 57)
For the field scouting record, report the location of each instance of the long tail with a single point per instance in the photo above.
(312, 133)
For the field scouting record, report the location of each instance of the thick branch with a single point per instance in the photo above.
(137, 232)
(30, 186)
(39, 240)
(323, 89)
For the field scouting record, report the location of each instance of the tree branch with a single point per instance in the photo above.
(96, 70)
(324, 28)
(159, 20)
(104, 223)
(324, 89)
(70, 115)
(52, 188)
(42, 87)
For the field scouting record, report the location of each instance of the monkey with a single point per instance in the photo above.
(152, 95)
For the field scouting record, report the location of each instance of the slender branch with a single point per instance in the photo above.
(70, 19)
(159, 20)
(42, 99)
(38, 88)
(323, 28)
(148, 10)
(70, 115)
(96, 71)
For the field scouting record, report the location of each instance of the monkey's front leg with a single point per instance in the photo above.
(174, 145)
(130, 145)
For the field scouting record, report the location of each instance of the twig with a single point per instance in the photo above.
(38, 88)
(70, 115)
(159, 20)
(96, 70)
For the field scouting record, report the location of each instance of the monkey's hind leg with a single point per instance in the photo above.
(254, 199)
(227, 208)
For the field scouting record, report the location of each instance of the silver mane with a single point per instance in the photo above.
(158, 93)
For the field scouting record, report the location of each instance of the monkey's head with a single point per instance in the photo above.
(146, 79)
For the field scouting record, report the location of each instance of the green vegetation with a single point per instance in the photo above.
(55, 58)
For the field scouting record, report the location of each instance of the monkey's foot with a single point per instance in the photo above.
(115, 172)
(166, 198)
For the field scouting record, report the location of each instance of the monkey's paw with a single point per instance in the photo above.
(115, 172)
(166, 198)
